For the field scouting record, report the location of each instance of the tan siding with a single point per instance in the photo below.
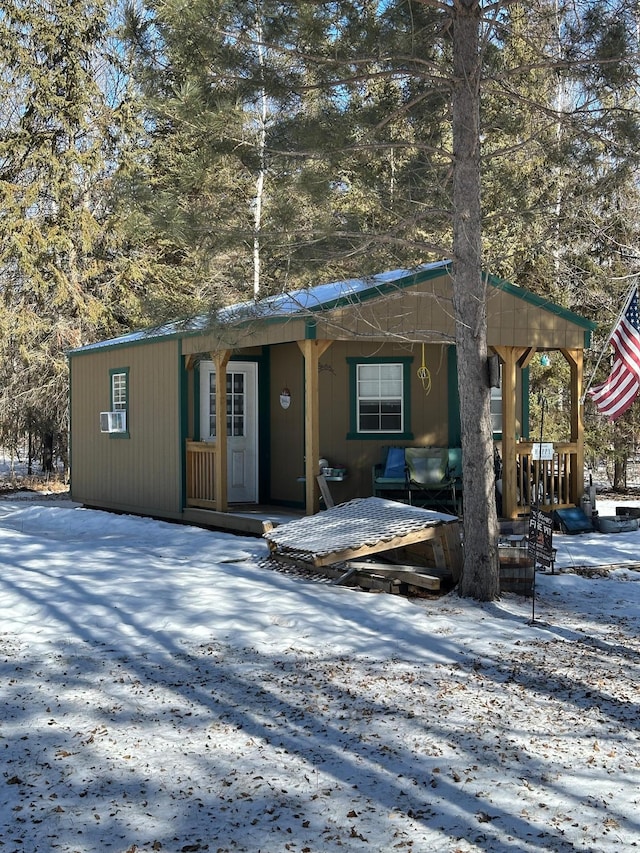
(514, 322)
(140, 473)
(419, 313)
(190, 422)
(409, 314)
(428, 420)
(287, 425)
(428, 315)
(247, 338)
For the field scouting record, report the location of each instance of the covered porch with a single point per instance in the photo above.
(551, 482)
(206, 463)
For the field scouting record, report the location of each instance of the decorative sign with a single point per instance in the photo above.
(542, 451)
(541, 537)
(285, 398)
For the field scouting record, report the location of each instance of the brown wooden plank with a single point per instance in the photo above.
(453, 550)
(311, 351)
(377, 547)
(419, 580)
(420, 555)
(438, 553)
(221, 359)
(345, 576)
(378, 582)
(253, 525)
(406, 574)
(362, 579)
(325, 492)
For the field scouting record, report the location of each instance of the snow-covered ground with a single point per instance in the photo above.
(161, 690)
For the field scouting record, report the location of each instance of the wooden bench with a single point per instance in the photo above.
(423, 476)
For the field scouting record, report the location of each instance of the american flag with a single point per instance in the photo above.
(616, 394)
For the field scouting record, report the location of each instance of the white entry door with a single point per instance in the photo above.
(242, 425)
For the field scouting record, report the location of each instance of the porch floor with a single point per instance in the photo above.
(247, 519)
(254, 519)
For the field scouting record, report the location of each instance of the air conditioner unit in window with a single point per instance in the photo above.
(113, 421)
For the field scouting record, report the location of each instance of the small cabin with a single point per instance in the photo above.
(188, 422)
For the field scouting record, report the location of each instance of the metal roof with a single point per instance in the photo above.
(322, 297)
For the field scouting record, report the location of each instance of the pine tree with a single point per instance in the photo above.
(397, 131)
(260, 174)
(61, 280)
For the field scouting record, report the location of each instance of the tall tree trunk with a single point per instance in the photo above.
(262, 149)
(47, 452)
(480, 578)
(621, 443)
(30, 452)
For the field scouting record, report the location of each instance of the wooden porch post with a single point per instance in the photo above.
(575, 358)
(220, 360)
(311, 350)
(509, 357)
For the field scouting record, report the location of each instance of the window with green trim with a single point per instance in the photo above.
(379, 397)
(119, 391)
(379, 393)
(118, 418)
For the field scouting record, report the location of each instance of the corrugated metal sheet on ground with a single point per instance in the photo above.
(358, 523)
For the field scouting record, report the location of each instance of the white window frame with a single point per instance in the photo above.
(380, 397)
(495, 407)
(119, 391)
(233, 418)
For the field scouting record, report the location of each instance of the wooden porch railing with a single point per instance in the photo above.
(553, 482)
(201, 474)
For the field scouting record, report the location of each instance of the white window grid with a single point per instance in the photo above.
(380, 397)
(119, 392)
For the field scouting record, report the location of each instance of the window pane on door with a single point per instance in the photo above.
(236, 404)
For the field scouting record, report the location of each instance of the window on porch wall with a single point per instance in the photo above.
(495, 407)
(496, 411)
(380, 397)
